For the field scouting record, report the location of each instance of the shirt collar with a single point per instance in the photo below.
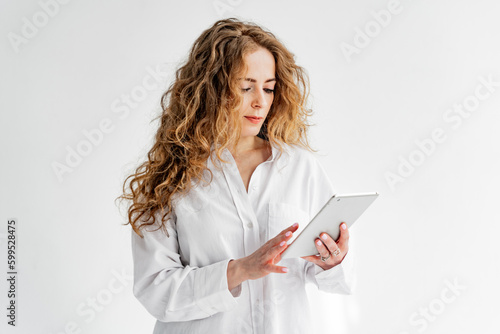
(226, 155)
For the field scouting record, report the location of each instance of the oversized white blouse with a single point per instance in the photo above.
(182, 280)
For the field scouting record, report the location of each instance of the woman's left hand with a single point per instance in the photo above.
(329, 249)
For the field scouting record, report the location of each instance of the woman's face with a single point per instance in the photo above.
(258, 91)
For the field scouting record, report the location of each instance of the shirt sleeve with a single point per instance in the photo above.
(341, 278)
(171, 291)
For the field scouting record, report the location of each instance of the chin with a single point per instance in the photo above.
(247, 131)
(250, 133)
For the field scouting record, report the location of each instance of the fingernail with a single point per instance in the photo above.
(282, 243)
(288, 233)
(323, 237)
(284, 270)
(344, 226)
(295, 225)
(318, 243)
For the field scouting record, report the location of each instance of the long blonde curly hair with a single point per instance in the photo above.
(200, 113)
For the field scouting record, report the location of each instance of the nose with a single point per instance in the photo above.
(259, 100)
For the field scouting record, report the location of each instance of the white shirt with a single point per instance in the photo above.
(182, 279)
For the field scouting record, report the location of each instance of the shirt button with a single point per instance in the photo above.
(254, 187)
(250, 225)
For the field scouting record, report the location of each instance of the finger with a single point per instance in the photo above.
(277, 259)
(283, 235)
(279, 243)
(312, 258)
(276, 250)
(291, 228)
(276, 269)
(331, 245)
(320, 246)
(343, 241)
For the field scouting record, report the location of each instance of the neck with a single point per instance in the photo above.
(247, 144)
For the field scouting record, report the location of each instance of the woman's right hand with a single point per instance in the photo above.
(262, 262)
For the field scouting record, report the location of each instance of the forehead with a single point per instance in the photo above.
(261, 65)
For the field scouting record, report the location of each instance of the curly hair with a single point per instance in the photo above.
(200, 114)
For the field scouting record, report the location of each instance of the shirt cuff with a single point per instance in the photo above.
(211, 291)
(339, 279)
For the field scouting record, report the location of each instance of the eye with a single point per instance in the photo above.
(267, 90)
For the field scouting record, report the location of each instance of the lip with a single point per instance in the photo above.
(254, 119)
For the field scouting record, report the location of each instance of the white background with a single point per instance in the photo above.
(436, 226)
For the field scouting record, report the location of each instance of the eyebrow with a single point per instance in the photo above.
(253, 80)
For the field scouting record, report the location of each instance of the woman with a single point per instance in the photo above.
(229, 173)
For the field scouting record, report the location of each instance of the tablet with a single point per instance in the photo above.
(340, 208)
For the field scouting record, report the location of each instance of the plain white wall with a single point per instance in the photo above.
(387, 80)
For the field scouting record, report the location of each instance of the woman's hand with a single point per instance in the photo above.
(335, 251)
(261, 262)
